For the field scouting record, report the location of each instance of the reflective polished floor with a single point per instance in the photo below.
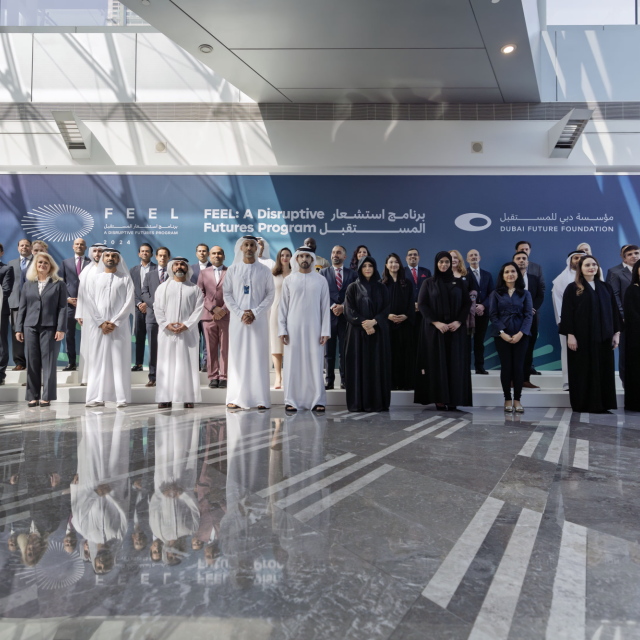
(188, 524)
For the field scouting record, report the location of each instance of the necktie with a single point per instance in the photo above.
(161, 276)
(78, 266)
(415, 275)
(339, 279)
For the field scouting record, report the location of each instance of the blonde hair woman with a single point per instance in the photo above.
(41, 321)
(457, 264)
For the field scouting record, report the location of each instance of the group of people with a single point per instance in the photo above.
(408, 329)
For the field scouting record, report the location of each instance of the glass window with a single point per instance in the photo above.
(66, 13)
(591, 12)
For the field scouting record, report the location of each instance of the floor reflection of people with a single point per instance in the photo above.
(247, 472)
(142, 462)
(100, 491)
(173, 509)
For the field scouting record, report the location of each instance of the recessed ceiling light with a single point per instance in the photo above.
(205, 48)
(146, 1)
(508, 48)
(495, 1)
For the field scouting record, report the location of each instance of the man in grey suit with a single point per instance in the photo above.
(6, 284)
(535, 270)
(70, 270)
(138, 274)
(619, 277)
(152, 281)
(20, 266)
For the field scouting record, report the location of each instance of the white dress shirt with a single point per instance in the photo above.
(525, 277)
(42, 284)
(217, 271)
(143, 272)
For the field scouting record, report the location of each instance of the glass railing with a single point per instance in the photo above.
(67, 13)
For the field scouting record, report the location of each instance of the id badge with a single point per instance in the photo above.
(246, 289)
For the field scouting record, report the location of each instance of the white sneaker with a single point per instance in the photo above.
(121, 405)
(94, 404)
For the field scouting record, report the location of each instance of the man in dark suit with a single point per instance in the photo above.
(6, 284)
(482, 282)
(416, 275)
(338, 278)
(202, 253)
(152, 281)
(70, 272)
(20, 266)
(532, 285)
(533, 269)
(138, 274)
(619, 277)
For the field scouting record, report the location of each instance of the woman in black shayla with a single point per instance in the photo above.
(511, 314)
(367, 349)
(591, 321)
(443, 369)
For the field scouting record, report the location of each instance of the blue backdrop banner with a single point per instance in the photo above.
(386, 213)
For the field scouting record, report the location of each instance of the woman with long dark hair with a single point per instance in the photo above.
(511, 314)
(360, 252)
(367, 348)
(400, 320)
(591, 321)
(443, 368)
(280, 271)
(632, 341)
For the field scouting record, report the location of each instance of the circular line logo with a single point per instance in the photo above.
(58, 222)
(464, 222)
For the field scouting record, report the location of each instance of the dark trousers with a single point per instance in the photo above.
(70, 336)
(512, 365)
(338, 334)
(4, 344)
(528, 358)
(17, 348)
(140, 333)
(482, 322)
(621, 358)
(202, 341)
(152, 337)
(42, 357)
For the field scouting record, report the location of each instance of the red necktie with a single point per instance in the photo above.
(78, 269)
(338, 279)
(415, 275)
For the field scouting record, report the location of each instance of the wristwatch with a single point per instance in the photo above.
(501, 331)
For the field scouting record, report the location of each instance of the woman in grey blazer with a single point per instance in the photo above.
(40, 325)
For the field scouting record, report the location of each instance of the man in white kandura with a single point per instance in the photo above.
(109, 301)
(88, 327)
(559, 285)
(248, 292)
(178, 307)
(304, 326)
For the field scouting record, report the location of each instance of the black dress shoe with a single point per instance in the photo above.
(2, 381)
(328, 387)
(213, 384)
(137, 367)
(203, 368)
(482, 372)
(534, 372)
(222, 384)
(343, 385)
(70, 367)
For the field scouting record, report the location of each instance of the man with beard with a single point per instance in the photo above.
(248, 292)
(178, 308)
(304, 326)
(88, 327)
(321, 263)
(338, 278)
(110, 303)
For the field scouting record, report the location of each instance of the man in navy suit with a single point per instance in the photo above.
(339, 278)
(202, 253)
(534, 287)
(70, 272)
(138, 274)
(416, 276)
(152, 281)
(6, 286)
(482, 282)
(619, 277)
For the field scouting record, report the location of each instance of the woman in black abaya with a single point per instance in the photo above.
(367, 349)
(591, 321)
(443, 368)
(632, 341)
(402, 312)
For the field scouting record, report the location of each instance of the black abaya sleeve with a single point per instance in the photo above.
(410, 309)
(465, 306)
(631, 308)
(567, 320)
(383, 315)
(351, 312)
(618, 325)
(424, 300)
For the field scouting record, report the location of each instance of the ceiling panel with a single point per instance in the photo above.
(372, 68)
(401, 96)
(327, 24)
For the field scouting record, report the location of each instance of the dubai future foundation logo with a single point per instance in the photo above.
(57, 223)
(466, 222)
